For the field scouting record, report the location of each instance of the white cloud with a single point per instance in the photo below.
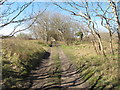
(8, 29)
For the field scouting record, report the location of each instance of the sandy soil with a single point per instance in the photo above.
(70, 76)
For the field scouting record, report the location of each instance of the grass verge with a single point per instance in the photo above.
(19, 57)
(105, 71)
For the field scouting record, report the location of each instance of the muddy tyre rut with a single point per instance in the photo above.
(56, 72)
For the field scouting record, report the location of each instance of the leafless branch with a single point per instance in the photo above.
(20, 21)
(2, 2)
(21, 10)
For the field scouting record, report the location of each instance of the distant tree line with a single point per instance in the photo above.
(56, 26)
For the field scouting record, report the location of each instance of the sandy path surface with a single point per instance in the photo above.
(70, 75)
(44, 76)
(41, 74)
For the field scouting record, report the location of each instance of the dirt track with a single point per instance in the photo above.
(44, 77)
(70, 75)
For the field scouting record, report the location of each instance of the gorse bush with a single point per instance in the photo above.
(19, 57)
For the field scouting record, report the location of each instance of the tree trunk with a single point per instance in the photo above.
(111, 44)
(95, 34)
(95, 47)
(100, 44)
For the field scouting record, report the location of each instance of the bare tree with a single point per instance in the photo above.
(115, 11)
(87, 17)
(54, 25)
(42, 26)
(63, 26)
(107, 20)
(9, 10)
